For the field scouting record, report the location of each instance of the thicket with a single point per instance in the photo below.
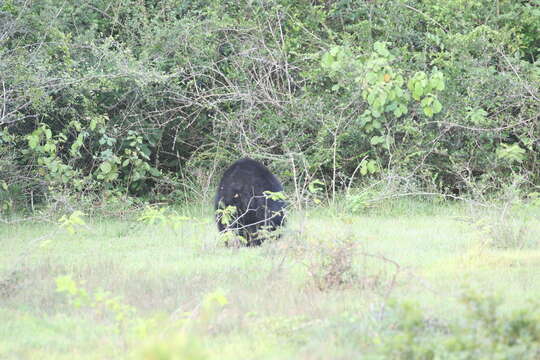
(152, 98)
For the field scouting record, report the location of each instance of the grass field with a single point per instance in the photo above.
(407, 280)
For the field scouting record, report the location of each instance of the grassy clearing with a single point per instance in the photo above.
(324, 290)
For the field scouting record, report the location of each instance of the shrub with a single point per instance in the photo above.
(484, 332)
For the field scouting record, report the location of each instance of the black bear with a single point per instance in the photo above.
(243, 203)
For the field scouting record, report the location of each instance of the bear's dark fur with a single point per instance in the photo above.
(243, 185)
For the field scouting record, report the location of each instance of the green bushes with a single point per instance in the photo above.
(124, 97)
(483, 333)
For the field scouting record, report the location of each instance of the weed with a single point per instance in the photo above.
(11, 284)
(503, 232)
(482, 333)
(72, 223)
(330, 264)
(178, 338)
(101, 301)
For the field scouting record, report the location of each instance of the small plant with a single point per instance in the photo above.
(316, 191)
(178, 347)
(44, 146)
(212, 303)
(503, 232)
(185, 343)
(358, 203)
(101, 301)
(331, 266)
(424, 88)
(232, 239)
(152, 215)
(275, 195)
(72, 223)
(226, 215)
(10, 284)
(7, 195)
(511, 153)
(534, 198)
(508, 234)
(482, 333)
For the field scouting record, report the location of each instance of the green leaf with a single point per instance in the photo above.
(105, 167)
(477, 116)
(410, 84)
(315, 186)
(437, 107)
(404, 108)
(437, 81)
(154, 172)
(369, 97)
(93, 124)
(391, 107)
(380, 47)
(66, 284)
(363, 168)
(426, 101)
(376, 140)
(365, 118)
(418, 91)
(327, 60)
(371, 77)
(382, 99)
(511, 153)
(400, 110)
(76, 124)
(49, 147)
(33, 141)
(372, 166)
(216, 298)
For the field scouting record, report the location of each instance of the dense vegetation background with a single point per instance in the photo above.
(99, 99)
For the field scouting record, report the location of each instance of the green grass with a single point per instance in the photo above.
(401, 252)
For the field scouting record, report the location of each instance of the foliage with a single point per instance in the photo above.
(145, 98)
(100, 301)
(167, 218)
(483, 332)
(181, 343)
(329, 263)
(73, 222)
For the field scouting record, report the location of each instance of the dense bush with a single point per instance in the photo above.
(485, 332)
(129, 96)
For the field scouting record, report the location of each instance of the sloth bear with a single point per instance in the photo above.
(243, 204)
